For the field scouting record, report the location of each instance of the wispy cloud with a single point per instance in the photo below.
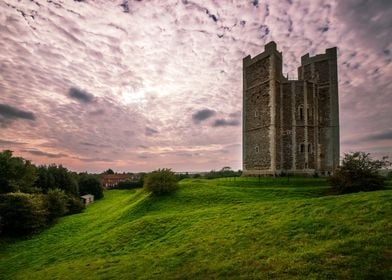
(223, 122)
(45, 154)
(150, 131)
(10, 143)
(144, 75)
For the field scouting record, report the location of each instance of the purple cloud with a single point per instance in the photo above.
(150, 64)
(223, 122)
(80, 95)
(202, 115)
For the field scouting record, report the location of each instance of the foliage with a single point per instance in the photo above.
(74, 205)
(161, 181)
(128, 184)
(16, 173)
(90, 184)
(358, 172)
(183, 176)
(108, 171)
(56, 176)
(56, 203)
(242, 228)
(22, 214)
(223, 173)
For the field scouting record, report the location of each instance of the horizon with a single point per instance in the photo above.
(137, 86)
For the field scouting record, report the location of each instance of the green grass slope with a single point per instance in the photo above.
(219, 229)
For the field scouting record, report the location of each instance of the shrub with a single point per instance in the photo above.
(161, 181)
(22, 214)
(74, 205)
(358, 172)
(128, 184)
(56, 203)
(223, 173)
(90, 184)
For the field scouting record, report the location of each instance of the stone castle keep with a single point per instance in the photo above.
(290, 126)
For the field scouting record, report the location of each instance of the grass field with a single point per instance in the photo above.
(218, 229)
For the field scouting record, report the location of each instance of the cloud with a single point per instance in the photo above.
(367, 20)
(202, 115)
(80, 95)
(9, 114)
(235, 114)
(45, 154)
(94, 145)
(385, 135)
(142, 85)
(150, 131)
(223, 122)
(95, 159)
(10, 143)
(125, 6)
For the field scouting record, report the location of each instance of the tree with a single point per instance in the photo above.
(161, 181)
(16, 173)
(108, 171)
(90, 184)
(56, 203)
(358, 172)
(128, 184)
(57, 177)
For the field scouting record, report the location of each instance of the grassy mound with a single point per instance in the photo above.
(224, 228)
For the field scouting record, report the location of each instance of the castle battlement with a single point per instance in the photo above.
(330, 53)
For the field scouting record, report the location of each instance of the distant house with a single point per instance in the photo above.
(87, 199)
(112, 180)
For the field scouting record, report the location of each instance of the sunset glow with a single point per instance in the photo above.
(139, 85)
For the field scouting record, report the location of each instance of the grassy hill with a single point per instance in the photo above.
(225, 228)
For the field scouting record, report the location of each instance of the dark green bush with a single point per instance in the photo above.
(161, 181)
(74, 205)
(22, 214)
(223, 173)
(128, 184)
(90, 184)
(56, 203)
(358, 172)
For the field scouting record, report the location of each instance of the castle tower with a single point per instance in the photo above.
(322, 69)
(290, 126)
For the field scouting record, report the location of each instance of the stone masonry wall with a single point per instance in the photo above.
(292, 119)
(258, 119)
(287, 127)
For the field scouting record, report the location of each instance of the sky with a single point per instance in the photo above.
(140, 85)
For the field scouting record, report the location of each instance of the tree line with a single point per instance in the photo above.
(33, 197)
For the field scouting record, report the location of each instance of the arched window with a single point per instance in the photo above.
(257, 149)
(256, 113)
(310, 150)
(302, 148)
